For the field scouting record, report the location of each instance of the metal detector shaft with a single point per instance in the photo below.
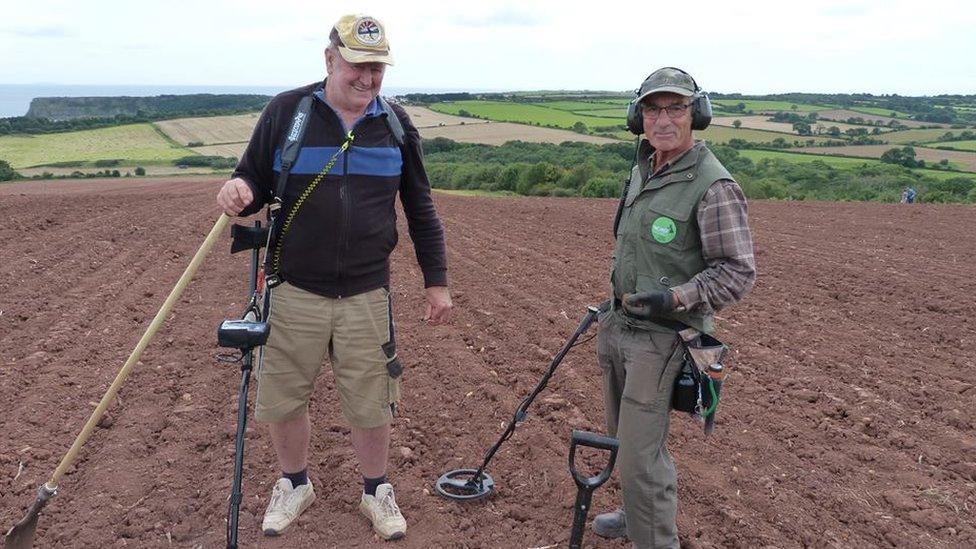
(247, 362)
(584, 325)
(235, 493)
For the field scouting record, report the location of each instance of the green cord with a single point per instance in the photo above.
(275, 263)
(711, 389)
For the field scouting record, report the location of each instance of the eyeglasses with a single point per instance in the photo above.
(674, 111)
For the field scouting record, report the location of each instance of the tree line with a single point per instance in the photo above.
(589, 170)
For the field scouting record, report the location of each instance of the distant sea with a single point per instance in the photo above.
(15, 98)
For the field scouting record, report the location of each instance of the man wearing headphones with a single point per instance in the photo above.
(683, 251)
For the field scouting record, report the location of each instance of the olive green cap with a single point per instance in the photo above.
(668, 79)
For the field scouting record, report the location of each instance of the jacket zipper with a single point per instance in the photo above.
(344, 228)
(343, 225)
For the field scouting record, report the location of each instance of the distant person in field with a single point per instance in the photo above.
(683, 251)
(335, 299)
(908, 195)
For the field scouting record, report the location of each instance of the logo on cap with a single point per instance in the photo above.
(368, 32)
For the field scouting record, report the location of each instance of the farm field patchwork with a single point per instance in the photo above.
(969, 145)
(721, 134)
(153, 148)
(227, 150)
(498, 133)
(960, 159)
(843, 114)
(763, 122)
(876, 111)
(836, 161)
(574, 106)
(423, 117)
(136, 143)
(524, 113)
(760, 122)
(619, 113)
(758, 106)
(915, 136)
(474, 130)
(210, 130)
(573, 98)
(151, 170)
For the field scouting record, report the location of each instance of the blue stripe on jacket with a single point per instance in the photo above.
(375, 161)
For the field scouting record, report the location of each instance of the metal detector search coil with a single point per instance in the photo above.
(474, 484)
(465, 484)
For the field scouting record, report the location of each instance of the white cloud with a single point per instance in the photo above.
(761, 46)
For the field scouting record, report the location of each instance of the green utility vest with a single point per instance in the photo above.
(658, 241)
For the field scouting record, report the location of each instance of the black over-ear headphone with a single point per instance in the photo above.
(701, 108)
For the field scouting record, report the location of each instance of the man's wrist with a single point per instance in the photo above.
(676, 304)
(435, 278)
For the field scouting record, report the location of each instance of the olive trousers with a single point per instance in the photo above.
(639, 369)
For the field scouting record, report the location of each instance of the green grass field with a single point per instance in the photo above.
(757, 106)
(955, 145)
(576, 106)
(723, 134)
(524, 114)
(615, 112)
(837, 161)
(915, 136)
(878, 111)
(134, 144)
(475, 192)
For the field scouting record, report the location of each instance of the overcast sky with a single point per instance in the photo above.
(765, 46)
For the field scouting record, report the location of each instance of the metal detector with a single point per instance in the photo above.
(474, 484)
(250, 331)
(586, 485)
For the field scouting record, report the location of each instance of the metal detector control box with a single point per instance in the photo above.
(242, 334)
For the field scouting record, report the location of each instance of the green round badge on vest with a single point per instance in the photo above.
(664, 230)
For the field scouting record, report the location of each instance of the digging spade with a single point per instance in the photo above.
(21, 536)
(586, 485)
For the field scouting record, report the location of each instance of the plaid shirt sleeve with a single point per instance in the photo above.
(730, 271)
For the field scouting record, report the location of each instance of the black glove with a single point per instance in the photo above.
(649, 304)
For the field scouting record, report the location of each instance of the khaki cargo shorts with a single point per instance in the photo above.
(357, 334)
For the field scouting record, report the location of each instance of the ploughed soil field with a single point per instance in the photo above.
(846, 420)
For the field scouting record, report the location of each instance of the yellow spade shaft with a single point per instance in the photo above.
(19, 537)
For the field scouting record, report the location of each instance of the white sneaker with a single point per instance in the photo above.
(383, 512)
(285, 506)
